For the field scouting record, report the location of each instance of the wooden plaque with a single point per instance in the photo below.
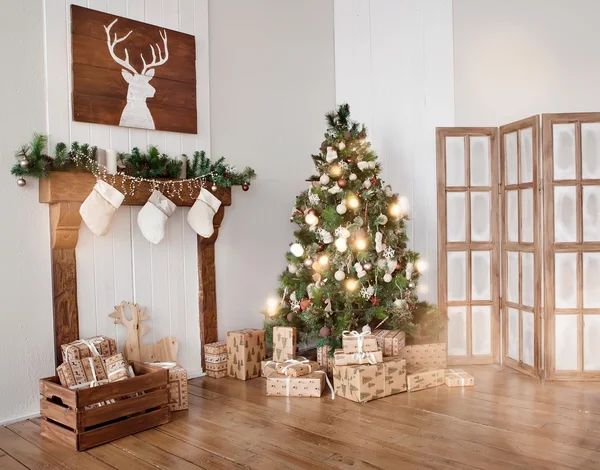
(132, 74)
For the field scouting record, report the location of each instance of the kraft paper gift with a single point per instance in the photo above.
(296, 368)
(94, 346)
(267, 367)
(220, 347)
(458, 378)
(422, 379)
(341, 358)
(352, 342)
(284, 343)
(215, 358)
(81, 371)
(424, 356)
(117, 368)
(215, 367)
(217, 374)
(245, 351)
(395, 376)
(390, 342)
(177, 385)
(362, 383)
(307, 386)
(324, 359)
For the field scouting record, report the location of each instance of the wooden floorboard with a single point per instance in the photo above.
(506, 421)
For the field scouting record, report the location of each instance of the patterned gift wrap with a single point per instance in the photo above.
(81, 371)
(220, 347)
(350, 342)
(94, 346)
(297, 369)
(215, 358)
(422, 379)
(307, 386)
(178, 388)
(341, 358)
(267, 367)
(284, 343)
(390, 342)
(116, 367)
(215, 367)
(323, 358)
(217, 374)
(245, 351)
(395, 376)
(458, 378)
(362, 383)
(424, 356)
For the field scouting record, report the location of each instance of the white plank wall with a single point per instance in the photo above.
(394, 66)
(123, 265)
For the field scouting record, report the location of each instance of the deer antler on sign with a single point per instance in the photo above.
(164, 350)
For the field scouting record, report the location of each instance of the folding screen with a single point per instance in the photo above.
(468, 242)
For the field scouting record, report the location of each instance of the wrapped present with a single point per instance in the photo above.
(325, 359)
(307, 386)
(422, 379)
(215, 358)
(341, 358)
(424, 356)
(215, 367)
(284, 343)
(353, 341)
(458, 378)
(217, 374)
(245, 351)
(117, 368)
(220, 347)
(81, 371)
(362, 383)
(390, 342)
(177, 385)
(95, 346)
(297, 367)
(395, 376)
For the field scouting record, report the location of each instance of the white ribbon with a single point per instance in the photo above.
(288, 381)
(164, 365)
(293, 362)
(89, 343)
(369, 356)
(360, 338)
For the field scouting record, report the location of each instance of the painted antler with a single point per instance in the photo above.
(111, 47)
(162, 59)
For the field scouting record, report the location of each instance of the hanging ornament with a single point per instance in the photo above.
(24, 163)
(366, 329)
(391, 265)
(323, 145)
(362, 166)
(326, 237)
(367, 292)
(339, 275)
(320, 247)
(400, 303)
(387, 277)
(372, 165)
(367, 266)
(379, 246)
(331, 155)
(328, 310)
(294, 303)
(304, 304)
(367, 184)
(381, 263)
(213, 188)
(375, 301)
(311, 219)
(341, 209)
(292, 268)
(388, 191)
(341, 145)
(410, 267)
(246, 187)
(334, 189)
(352, 177)
(411, 284)
(347, 135)
(341, 245)
(342, 183)
(297, 250)
(324, 179)
(290, 317)
(388, 253)
(349, 160)
(21, 182)
(382, 219)
(314, 199)
(308, 262)
(324, 332)
(374, 180)
(360, 272)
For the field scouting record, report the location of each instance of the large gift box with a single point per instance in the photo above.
(324, 359)
(390, 342)
(362, 383)
(458, 378)
(95, 346)
(341, 358)
(245, 351)
(424, 356)
(284, 343)
(311, 385)
(352, 342)
(422, 379)
(81, 371)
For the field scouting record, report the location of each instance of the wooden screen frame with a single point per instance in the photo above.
(550, 247)
(534, 247)
(493, 246)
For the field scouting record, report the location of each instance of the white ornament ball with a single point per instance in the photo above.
(363, 165)
(366, 329)
(311, 219)
(372, 165)
(411, 284)
(341, 145)
(308, 262)
(387, 277)
(297, 249)
(292, 268)
(381, 263)
(21, 182)
(324, 179)
(367, 184)
(352, 177)
(340, 275)
(345, 233)
(341, 245)
(383, 219)
(341, 209)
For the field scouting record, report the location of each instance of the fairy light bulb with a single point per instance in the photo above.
(395, 210)
(335, 170)
(360, 244)
(421, 265)
(297, 250)
(351, 284)
(272, 306)
(352, 202)
(324, 260)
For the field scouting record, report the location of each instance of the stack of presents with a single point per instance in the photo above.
(370, 365)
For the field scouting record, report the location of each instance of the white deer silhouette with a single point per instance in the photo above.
(136, 112)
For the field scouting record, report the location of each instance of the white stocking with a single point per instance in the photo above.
(153, 217)
(200, 216)
(98, 208)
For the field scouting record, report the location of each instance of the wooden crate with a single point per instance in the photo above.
(66, 420)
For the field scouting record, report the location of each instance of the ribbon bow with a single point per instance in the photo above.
(294, 362)
(360, 338)
(369, 356)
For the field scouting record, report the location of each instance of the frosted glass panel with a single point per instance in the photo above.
(455, 161)
(528, 332)
(457, 331)
(480, 275)
(513, 333)
(590, 150)
(512, 216)
(480, 216)
(565, 280)
(591, 345)
(480, 161)
(510, 148)
(513, 277)
(565, 342)
(456, 217)
(527, 215)
(457, 275)
(527, 289)
(481, 333)
(563, 136)
(591, 280)
(591, 213)
(526, 143)
(565, 215)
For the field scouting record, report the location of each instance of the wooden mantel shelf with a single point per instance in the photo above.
(65, 191)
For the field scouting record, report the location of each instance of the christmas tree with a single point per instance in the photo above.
(349, 265)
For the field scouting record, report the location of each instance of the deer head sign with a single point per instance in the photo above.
(136, 112)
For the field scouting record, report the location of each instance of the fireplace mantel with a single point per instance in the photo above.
(64, 192)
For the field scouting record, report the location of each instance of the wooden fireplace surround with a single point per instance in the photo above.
(65, 191)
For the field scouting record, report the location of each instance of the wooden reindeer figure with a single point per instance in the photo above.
(164, 350)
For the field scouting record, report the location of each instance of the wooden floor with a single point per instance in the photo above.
(505, 421)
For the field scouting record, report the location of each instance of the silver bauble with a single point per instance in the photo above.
(24, 163)
(214, 188)
(21, 182)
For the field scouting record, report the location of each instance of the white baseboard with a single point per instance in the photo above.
(194, 374)
(16, 419)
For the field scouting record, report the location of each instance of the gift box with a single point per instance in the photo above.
(217, 374)
(307, 386)
(177, 385)
(209, 366)
(215, 358)
(390, 342)
(458, 378)
(422, 379)
(325, 359)
(341, 358)
(267, 367)
(297, 368)
(424, 356)
(245, 351)
(94, 346)
(362, 383)
(284, 343)
(81, 371)
(117, 368)
(353, 342)
(220, 347)
(395, 376)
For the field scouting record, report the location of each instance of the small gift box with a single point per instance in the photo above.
(458, 378)
(95, 346)
(341, 358)
(116, 367)
(307, 386)
(177, 385)
(245, 350)
(209, 366)
(362, 383)
(296, 368)
(424, 356)
(284, 343)
(217, 374)
(81, 371)
(390, 342)
(220, 347)
(422, 379)
(215, 358)
(325, 359)
(353, 341)
(267, 367)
